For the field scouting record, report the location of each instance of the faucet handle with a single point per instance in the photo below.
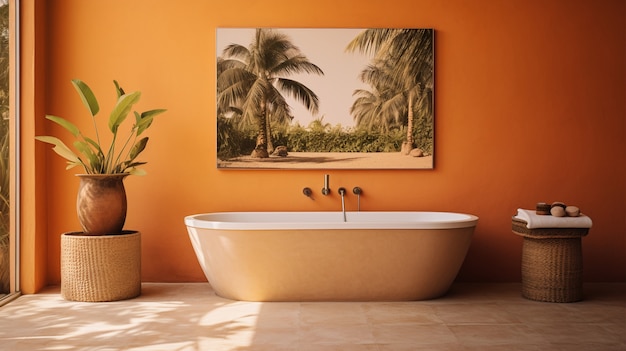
(307, 192)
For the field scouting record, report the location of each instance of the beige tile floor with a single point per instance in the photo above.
(191, 317)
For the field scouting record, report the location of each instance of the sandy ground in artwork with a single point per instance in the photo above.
(332, 160)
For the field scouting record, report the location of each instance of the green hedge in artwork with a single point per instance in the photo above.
(233, 142)
(299, 139)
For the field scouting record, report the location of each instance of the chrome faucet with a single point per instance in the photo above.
(326, 189)
(342, 192)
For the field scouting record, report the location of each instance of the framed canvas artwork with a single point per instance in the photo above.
(325, 98)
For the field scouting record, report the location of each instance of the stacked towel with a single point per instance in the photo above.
(533, 220)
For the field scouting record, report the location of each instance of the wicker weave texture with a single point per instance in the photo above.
(519, 228)
(100, 268)
(552, 269)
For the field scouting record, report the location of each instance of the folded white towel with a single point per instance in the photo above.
(533, 220)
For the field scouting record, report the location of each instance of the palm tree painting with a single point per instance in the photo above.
(293, 98)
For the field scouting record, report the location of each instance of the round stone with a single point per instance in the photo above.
(557, 211)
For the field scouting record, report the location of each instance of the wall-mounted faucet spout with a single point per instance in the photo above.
(342, 192)
(326, 188)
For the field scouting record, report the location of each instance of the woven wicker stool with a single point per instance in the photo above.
(100, 268)
(552, 263)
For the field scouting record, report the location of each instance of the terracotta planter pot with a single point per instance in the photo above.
(100, 268)
(101, 203)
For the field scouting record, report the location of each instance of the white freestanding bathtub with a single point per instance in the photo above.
(316, 256)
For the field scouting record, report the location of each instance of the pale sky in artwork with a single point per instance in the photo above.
(325, 47)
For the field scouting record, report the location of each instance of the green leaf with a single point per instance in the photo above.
(126, 166)
(135, 164)
(137, 120)
(143, 124)
(138, 148)
(145, 119)
(95, 145)
(60, 148)
(71, 165)
(65, 124)
(118, 89)
(122, 108)
(94, 159)
(137, 171)
(152, 113)
(89, 99)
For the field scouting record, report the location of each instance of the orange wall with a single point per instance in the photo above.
(33, 233)
(530, 106)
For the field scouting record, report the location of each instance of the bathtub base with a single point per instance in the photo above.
(331, 265)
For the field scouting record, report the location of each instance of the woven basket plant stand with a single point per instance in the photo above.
(100, 268)
(552, 262)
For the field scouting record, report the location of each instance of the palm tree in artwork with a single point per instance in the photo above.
(252, 83)
(405, 56)
(384, 106)
(366, 109)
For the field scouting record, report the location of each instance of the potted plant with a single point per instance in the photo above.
(102, 262)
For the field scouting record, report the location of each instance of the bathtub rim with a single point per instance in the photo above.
(331, 220)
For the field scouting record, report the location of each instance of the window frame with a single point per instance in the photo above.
(15, 154)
